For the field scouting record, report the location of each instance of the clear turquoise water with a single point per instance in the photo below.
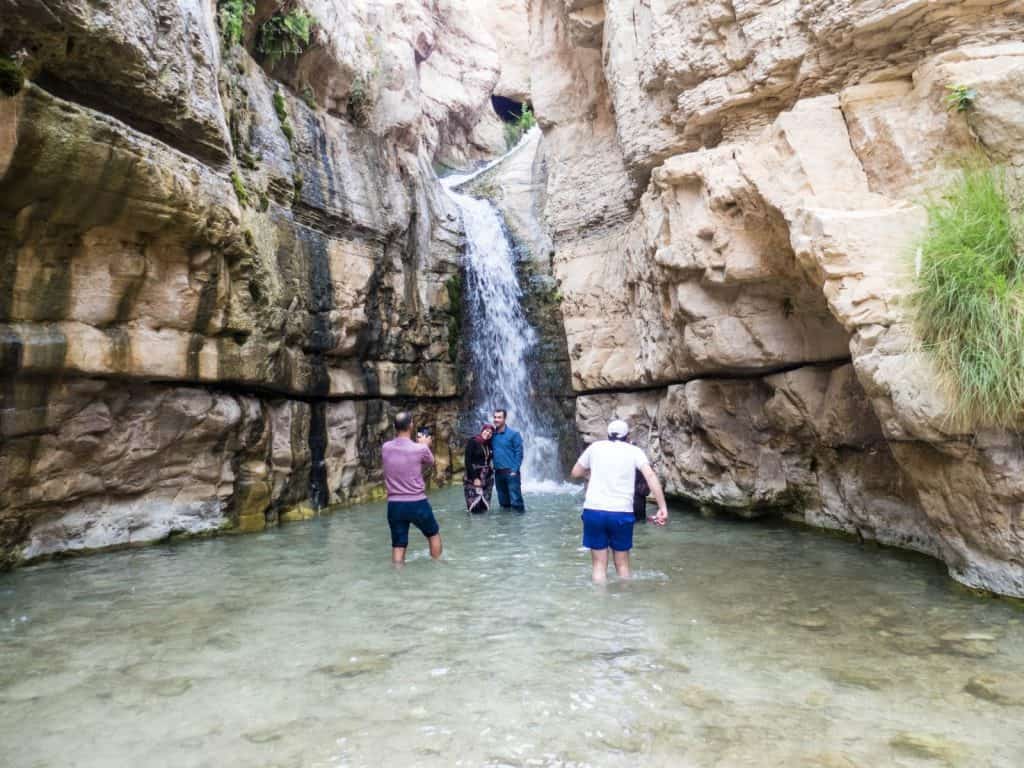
(737, 645)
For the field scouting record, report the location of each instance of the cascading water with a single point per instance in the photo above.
(501, 339)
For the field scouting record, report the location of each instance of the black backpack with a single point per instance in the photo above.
(640, 486)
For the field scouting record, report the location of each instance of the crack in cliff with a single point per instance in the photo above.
(741, 376)
(229, 387)
(236, 388)
(206, 153)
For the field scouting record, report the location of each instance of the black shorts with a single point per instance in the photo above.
(402, 513)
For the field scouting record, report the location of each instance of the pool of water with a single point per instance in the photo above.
(736, 645)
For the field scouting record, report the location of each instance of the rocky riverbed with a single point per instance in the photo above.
(738, 643)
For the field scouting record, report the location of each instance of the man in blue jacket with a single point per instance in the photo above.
(507, 445)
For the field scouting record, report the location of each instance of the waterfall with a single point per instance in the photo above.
(501, 339)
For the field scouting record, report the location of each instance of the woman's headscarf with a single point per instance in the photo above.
(480, 437)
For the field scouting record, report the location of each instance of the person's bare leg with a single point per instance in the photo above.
(622, 564)
(599, 563)
(435, 545)
(398, 555)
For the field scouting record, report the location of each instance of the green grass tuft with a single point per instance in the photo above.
(970, 296)
(12, 78)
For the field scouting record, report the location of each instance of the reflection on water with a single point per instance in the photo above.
(737, 645)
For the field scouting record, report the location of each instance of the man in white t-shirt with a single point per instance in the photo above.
(608, 507)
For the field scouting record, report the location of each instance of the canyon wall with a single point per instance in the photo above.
(734, 198)
(223, 270)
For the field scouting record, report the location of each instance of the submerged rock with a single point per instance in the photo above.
(1008, 691)
(265, 736)
(857, 678)
(698, 697)
(927, 746)
(357, 665)
(975, 645)
(815, 621)
(172, 687)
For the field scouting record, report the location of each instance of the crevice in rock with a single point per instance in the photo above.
(760, 373)
(230, 387)
(79, 94)
(853, 146)
(507, 109)
(316, 219)
(319, 493)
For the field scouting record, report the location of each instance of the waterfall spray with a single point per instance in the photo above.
(502, 339)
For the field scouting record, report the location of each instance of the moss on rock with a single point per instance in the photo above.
(281, 108)
(454, 287)
(240, 191)
(12, 77)
(299, 512)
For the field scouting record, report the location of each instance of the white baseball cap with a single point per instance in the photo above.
(618, 428)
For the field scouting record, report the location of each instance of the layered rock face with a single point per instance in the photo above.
(222, 271)
(732, 196)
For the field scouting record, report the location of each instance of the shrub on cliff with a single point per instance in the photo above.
(12, 77)
(970, 296)
(232, 15)
(514, 131)
(285, 34)
(359, 104)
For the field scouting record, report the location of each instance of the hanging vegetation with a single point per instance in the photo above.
(514, 131)
(232, 15)
(286, 33)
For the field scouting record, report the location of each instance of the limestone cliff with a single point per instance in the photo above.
(222, 268)
(733, 199)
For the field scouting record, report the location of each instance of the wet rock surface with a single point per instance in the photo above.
(114, 464)
(751, 211)
(722, 208)
(206, 253)
(802, 444)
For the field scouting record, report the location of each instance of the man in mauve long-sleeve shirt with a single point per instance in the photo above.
(404, 461)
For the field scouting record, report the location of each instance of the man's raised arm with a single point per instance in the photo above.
(428, 455)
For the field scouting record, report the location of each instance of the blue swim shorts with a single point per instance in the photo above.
(403, 513)
(607, 529)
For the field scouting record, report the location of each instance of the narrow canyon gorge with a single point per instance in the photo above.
(225, 267)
